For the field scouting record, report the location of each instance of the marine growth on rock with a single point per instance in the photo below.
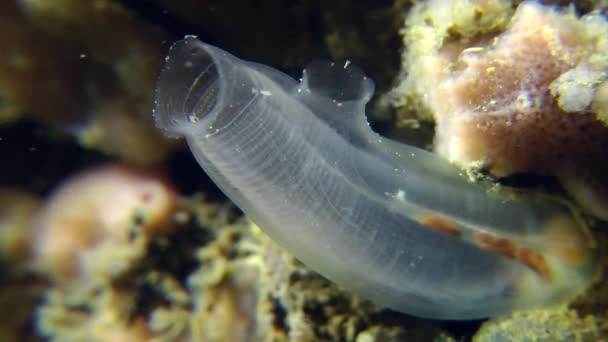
(512, 94)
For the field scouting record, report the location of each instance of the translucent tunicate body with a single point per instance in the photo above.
(388, 221)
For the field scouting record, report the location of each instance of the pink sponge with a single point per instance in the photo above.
(530, 98)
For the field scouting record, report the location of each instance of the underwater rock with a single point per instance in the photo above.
(34, 80)
(82, 68)
(108, 36)
(19, 296)
(19, 291)
(79, 313)
(510, 94)
(217, 278)
(249, 283)
(17, 212)
(547, 325)
(115, 127)
(83, 227)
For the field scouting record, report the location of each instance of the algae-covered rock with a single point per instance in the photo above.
(99, 220)
(512, 88)
(548, 325)
(270, 296)
(216, 279)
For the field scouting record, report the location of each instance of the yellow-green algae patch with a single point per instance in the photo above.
(547, 325)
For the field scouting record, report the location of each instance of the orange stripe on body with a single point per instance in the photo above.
(441, 224)
(492, 243)
(506, 247)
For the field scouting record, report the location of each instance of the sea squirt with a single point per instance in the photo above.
(391, 222)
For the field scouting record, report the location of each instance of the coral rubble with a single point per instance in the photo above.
(520, 93)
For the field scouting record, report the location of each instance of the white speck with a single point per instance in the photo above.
(473, 49)
(192, 117)
(339, 104)
(400, 195)
(265, 92)
(188, 64)
(254, 91)
(346, 63)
